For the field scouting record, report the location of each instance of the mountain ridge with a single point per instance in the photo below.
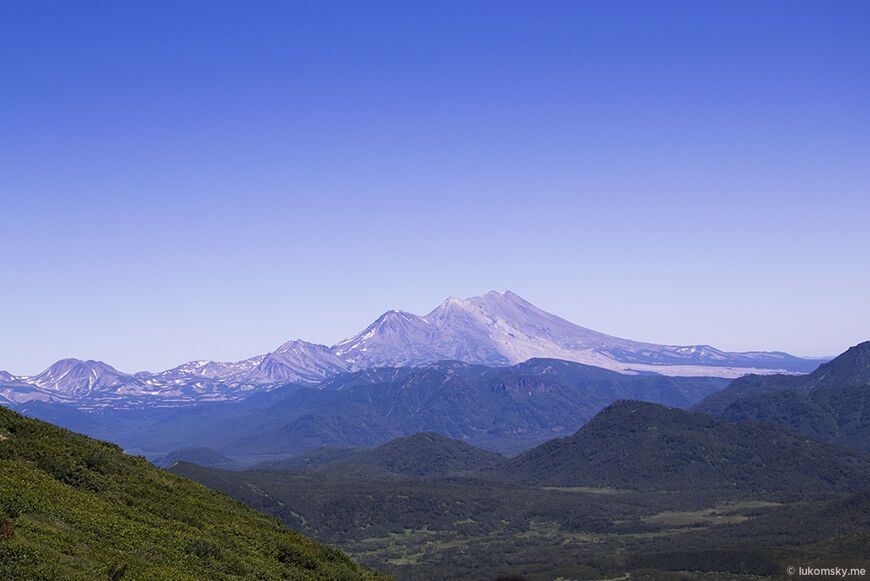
(494, 329)
(504, 329)
(831, 404)
(647, 446)
(505, 409)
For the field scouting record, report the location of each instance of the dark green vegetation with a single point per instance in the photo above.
(831, 404)
(644, 489)
(645, 446)
(672, 493)
(423, 454)
(316, 457)
(201, 456)
(506, 409)
(76, 508)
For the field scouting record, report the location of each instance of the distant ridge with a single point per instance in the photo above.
(422, 454)
(490, 407)
(494, 329)
(831, 404)
(77, 377)
(202, 456)
(504, 329)
(506, 409)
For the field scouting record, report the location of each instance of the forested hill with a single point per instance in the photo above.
(645, 446)
(424, 454)
(74, 508)
(832, 404)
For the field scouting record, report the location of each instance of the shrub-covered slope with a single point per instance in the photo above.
(75, 508)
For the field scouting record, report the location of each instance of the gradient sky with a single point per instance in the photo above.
(206, 180)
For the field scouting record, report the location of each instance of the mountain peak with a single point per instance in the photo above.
(849, 368)
(300, 346)
(511, 296)
(506, 296)
(77, 365)
(499, 328)
(491, 297)
(76, 376)
(450, 306)
(453, 302)
(296, 361)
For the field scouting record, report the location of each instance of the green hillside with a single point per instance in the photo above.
(202, 456)
(316, 457)
(469, 529)
(423, 454)
(74, 508)
(645, 446)
(832, 404)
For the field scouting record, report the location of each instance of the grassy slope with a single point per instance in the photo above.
(76, 508)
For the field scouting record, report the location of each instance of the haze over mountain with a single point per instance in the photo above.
(507, 409)
(495, 329)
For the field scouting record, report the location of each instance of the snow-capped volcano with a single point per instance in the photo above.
(398, 338)
(296, 361)
(503, 329)
(495, 329)
(77, 377)
(206, 370)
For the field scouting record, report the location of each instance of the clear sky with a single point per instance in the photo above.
(205, 180)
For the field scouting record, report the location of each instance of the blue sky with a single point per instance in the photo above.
(186, 180)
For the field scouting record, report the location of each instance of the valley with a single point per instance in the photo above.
(470, 469)
(400, 509)
(434, 291)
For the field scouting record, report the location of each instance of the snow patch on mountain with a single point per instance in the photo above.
(297, 361)
(77, 377)
(504, 329)
(494, 329)
(205, 370)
